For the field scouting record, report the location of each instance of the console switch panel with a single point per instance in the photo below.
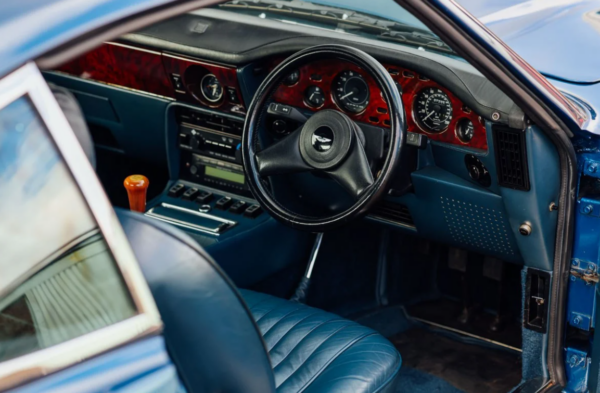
(253, 211)
(224, 203)
(204, 197)
(238, 207)
(190, 194)
(176, 190)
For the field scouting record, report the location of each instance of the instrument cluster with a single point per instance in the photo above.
(431, 109)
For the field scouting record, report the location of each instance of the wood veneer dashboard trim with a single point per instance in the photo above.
(148, 71)
(411, 86)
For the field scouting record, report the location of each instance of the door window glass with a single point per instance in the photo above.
(58, 279)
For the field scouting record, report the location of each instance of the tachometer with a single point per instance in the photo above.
(351, 91)
(432, 109)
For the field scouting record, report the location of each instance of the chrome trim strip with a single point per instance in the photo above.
(216, 232)
(28, 81)
(389, 221)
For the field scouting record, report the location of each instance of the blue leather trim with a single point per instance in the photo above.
(313, 351)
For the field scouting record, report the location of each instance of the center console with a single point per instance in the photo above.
(207, 196)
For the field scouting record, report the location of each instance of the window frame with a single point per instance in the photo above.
(28, 81)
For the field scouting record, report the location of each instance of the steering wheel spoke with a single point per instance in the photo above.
(354, 173)
(282, 157)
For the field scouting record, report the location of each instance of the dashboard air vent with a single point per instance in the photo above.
(511, 158)
(393, 212)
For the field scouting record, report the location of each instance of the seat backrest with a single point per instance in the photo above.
(210, 333)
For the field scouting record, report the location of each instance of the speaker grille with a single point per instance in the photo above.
(478, 227)
(511, 158)
(390, 211)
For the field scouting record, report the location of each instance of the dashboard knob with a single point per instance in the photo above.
(525, 229)
(279, 126)
(193, 169)
(474, 172)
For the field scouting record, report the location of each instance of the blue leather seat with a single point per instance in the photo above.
(315, 351)
(225, 340)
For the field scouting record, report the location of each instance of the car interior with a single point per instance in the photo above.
(358, 181)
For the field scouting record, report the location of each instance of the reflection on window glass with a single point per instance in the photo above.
(58, 280)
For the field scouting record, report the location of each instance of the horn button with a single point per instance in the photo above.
(326, 139)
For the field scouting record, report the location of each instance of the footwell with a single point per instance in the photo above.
(432, 361)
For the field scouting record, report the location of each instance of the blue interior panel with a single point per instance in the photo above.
(533, 206)
(136, 120)
(451, 210)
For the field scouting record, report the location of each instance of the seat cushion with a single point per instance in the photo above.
(313, 351)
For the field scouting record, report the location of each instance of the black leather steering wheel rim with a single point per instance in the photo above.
(250, 146)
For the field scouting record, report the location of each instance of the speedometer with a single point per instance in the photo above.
(351, 91)
(432, 109)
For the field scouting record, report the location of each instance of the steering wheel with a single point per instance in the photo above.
(329, 143)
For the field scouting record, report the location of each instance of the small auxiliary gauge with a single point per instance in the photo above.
(292, 78)
(465, 130)
(211, 88)
(314, 96)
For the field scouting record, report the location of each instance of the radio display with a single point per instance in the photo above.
(224, 175)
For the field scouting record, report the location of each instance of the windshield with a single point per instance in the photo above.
(380, 19)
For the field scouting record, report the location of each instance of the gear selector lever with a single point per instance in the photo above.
(136, 186)
(302, 289)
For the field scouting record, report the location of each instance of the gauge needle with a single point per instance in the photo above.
(346, 95)
(429, 115)
(214, 87)
(311, 96)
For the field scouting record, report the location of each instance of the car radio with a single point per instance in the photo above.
(210, 150)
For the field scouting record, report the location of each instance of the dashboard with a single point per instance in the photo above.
(431, 109)
(199, 86)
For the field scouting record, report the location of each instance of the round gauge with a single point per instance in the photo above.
(351, 91)
(433, 109)
(292, 78)
(314, 96)
(465, 130)
(211, 88)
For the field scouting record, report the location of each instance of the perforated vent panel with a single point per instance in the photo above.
(511, 158)
(476, 226)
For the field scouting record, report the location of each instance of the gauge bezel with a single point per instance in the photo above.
(340, 105)
(458, 121)
(416, 118)
(307, 102)
(204, 94)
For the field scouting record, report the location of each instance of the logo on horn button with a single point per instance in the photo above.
(322, 139)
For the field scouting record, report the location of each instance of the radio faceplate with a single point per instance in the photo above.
(210, 151)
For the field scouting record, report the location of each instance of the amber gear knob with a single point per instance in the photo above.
(136, 186)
